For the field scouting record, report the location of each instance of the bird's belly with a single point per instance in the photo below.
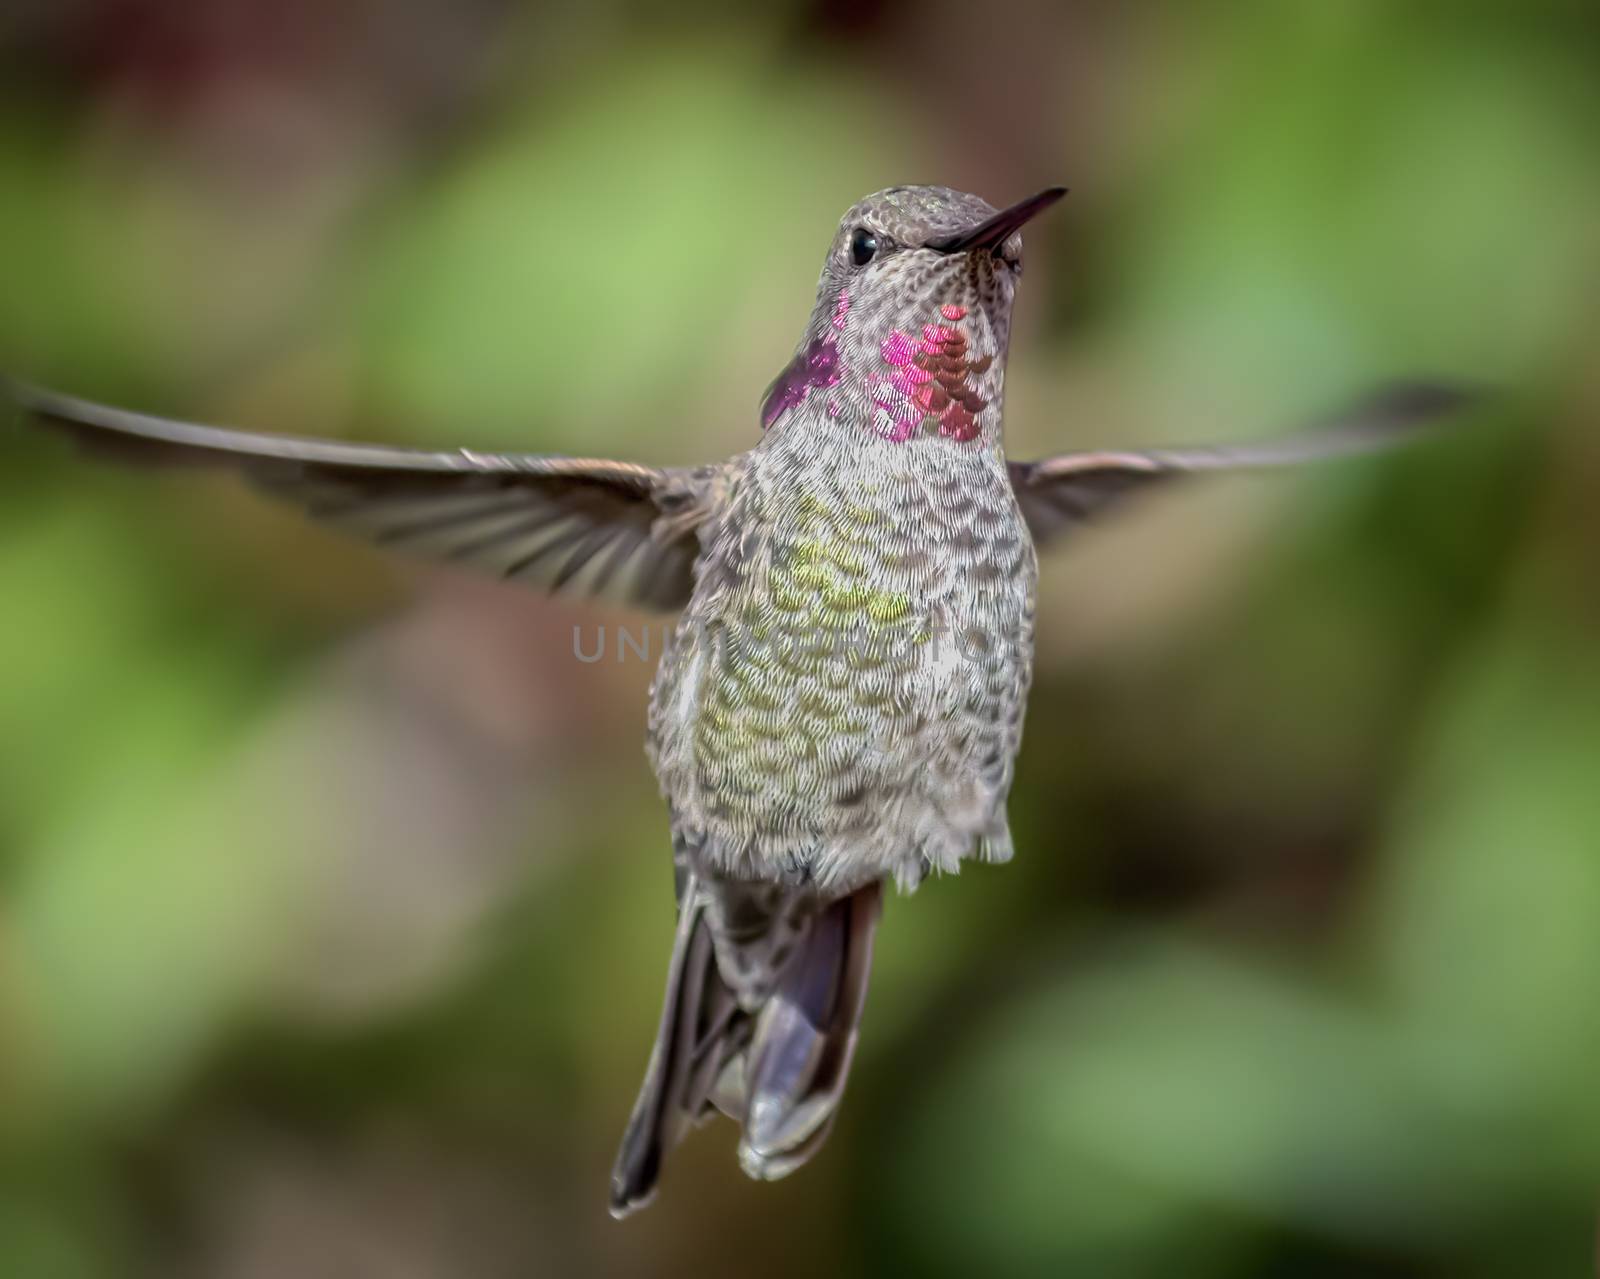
(843, 696)
(843, 725)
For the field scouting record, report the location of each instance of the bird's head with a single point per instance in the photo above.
(913, 315)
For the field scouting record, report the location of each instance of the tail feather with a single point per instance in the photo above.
(805, 1038)
(675, 1083)
(771, 1047)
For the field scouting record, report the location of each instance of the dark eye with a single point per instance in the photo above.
(863, 244)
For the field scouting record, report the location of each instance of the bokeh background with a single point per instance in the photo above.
(334, 893)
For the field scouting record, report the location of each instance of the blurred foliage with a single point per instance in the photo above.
(334, 898)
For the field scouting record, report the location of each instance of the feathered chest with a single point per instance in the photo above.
(874, 549)
(859, 618)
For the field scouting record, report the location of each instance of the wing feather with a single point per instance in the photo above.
(1058, 493)
(537, 519)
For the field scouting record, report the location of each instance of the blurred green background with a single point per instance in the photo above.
(334, 894)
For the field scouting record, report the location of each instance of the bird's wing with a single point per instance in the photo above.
(1058, 493)
(597, 527)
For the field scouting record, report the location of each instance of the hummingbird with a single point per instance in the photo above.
(841, 701)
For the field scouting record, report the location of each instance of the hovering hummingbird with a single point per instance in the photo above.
(842, 700)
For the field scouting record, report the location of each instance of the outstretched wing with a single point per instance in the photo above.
(1057, 493)
(615, 529)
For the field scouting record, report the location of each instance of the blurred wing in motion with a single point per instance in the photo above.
(1057, 493)
(611, 529)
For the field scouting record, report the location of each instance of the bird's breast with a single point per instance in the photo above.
(846, 616)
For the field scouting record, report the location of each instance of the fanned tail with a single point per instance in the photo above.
(763, 1005)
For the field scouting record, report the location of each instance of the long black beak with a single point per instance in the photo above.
(994, 232)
